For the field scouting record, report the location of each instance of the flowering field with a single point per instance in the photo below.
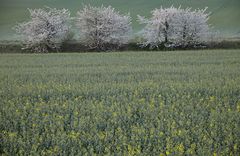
(129, 103)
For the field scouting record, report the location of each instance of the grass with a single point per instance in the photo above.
(13, 11)
(127, 103)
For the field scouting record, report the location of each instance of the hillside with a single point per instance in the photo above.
(225, 13)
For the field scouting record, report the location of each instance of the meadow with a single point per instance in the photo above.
(122, 103)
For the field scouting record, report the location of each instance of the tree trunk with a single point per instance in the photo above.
(166, 32)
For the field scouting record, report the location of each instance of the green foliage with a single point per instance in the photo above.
(145, 103)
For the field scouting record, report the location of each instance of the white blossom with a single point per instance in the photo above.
(46, 29)
(173, 27)
(193, 28)
(103, 27)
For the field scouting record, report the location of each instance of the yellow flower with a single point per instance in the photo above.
(161, 133)
(76, 113)
(142, 100)
(133, 150)
(179, 132)
(238, 107)
(37, 109)
(60, 117)
(12, 134)
(235, 147)
(212, 98)
(102, 135)
(114, 114)
(152, 103)
(180, 148)
(73, 135)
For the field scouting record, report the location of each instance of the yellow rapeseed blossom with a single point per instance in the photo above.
(212, 98)
(12, 134)
(133, 150)
(238, 107)
(152, 107)
(102, 135)
(180, 148)
(74, 135)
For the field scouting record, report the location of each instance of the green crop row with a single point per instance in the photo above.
(146, 103)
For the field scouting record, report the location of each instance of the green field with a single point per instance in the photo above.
(225, 13)
(126, 103)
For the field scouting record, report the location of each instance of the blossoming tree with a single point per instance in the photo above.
(174, 27)
(103, 28)
(46, 30)
(193, 28)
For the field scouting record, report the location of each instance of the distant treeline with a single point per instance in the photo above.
(74, 46)
(105, 29)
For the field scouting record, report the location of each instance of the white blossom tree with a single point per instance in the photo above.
(103, 28)
(174, 27)
(46, 30)
(193, 28)
(160, 28)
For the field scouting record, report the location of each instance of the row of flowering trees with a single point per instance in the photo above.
(103, 28)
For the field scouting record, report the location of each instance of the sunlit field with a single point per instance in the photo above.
(122, 103)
